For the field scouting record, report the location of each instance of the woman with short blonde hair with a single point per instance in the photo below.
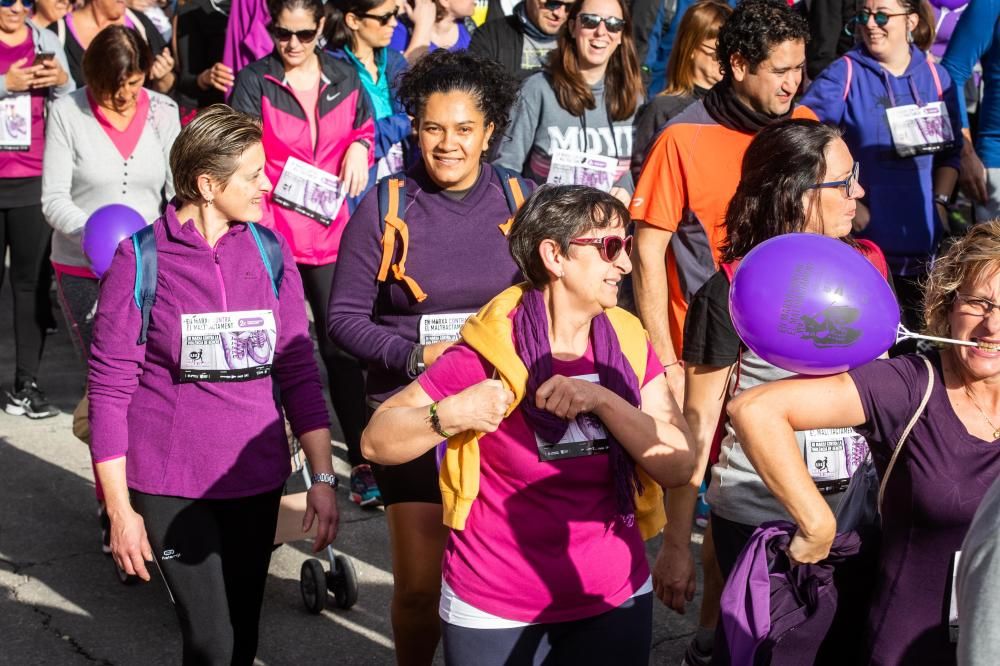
(188, 436)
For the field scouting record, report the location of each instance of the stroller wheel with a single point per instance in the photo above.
(123, 578)
(343, 583)
(312, 583)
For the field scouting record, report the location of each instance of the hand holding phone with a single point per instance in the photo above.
(43, 57)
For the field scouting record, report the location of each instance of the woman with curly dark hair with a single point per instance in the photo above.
(584, 102)
(422, 252)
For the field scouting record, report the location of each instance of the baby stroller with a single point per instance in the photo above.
(315, 582)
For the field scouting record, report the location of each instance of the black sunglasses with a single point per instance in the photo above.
(285, 35)
(591, 21)
(10, 3)
(383, 19)
(555, 5)
(861, 18)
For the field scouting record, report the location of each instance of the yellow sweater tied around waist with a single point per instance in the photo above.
(490, 333)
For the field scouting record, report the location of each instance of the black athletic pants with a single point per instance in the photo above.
(213, 555)
(620, 636)
(343, 371)
(24, 231)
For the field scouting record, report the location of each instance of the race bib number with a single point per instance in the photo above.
(918, 130)
(309, 191)
(391, 163)
(15, 130)
(832, 456)
(571, 167)
(442, 327)
(227, 346)
(585, 436)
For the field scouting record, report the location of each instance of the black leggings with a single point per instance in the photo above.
(24, 231)
(620, 636)
(213, 555)
(343, 371)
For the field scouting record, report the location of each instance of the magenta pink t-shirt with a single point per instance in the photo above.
(541, 543)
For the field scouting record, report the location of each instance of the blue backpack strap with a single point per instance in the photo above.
(144, 243)
(270, 254)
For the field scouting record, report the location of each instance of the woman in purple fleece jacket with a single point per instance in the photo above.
(454, 261)
(188, 436)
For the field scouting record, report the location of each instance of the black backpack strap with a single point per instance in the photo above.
(270, 254)
(144, 243)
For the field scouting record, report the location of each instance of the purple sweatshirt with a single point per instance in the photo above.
(457, 254)
(210, 440)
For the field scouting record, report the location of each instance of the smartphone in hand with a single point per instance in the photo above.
(43, 57)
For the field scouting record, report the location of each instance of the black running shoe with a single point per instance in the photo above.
(30, 401)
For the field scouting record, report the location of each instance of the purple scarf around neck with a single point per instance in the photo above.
(531, 327)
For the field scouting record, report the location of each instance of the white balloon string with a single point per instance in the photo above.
(903, 333)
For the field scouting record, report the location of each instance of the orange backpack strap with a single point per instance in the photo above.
(513, 188)
(391, 197)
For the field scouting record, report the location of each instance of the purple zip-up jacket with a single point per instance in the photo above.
(212, 440)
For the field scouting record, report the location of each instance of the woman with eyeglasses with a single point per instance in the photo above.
(899, 114)
(359, 32)
(942, 470)
(428, 25)
(582, 104)
(561, 431)
(318, 138)
(798, 176)
(691, 71)
(32, 74)
(422, 252)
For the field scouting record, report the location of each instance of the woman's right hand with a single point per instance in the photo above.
(812, 548)
(479, 408)
(19, 77)
(129, 543)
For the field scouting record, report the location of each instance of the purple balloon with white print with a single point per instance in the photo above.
(812, 305)
(105, 229)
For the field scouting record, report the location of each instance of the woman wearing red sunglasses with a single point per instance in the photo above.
(561, 431)
(573, 123)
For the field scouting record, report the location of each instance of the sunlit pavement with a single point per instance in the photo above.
(60, 599)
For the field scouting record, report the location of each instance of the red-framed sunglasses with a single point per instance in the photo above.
(610, 246)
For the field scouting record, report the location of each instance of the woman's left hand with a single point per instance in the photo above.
(163, 65)
(321, 505)
(354, 169)
(566, 397)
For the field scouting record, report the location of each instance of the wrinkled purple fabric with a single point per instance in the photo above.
(531, 339)
(775, 613)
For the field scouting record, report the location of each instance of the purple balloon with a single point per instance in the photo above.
(105, 229)
(812, 305)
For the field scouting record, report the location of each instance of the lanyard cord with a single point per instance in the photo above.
(611, 129)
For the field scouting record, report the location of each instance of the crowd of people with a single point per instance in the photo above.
(510, 230)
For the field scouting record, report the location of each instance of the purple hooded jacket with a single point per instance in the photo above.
(211, 440)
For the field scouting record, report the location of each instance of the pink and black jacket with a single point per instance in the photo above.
(343, 116)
